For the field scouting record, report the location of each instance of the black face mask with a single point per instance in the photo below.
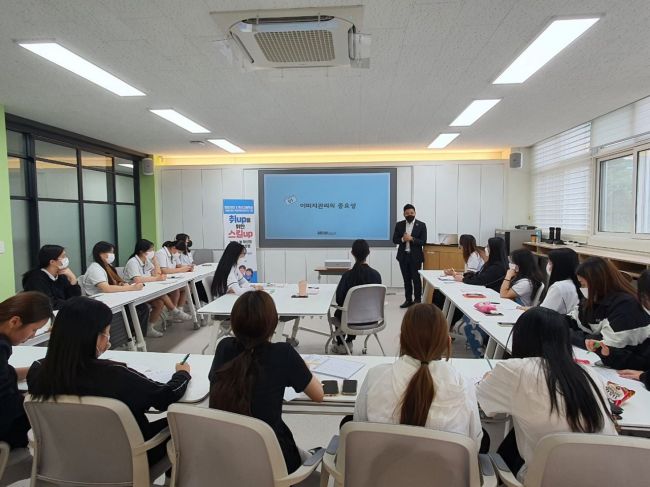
(189, 244)
(410, 218)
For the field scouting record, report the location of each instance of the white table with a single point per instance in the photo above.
(317, 303)
(197, 389)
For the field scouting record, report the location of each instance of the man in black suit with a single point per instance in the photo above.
(410, 234)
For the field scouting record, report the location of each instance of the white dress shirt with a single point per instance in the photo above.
(236, 282)
(165, 259)
(136, 268)
(409, 230)
(518, 387)
(474, 263)
(454, 408)
(562, 297)
(95, 274)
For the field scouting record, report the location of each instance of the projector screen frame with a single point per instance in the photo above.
(325, 243)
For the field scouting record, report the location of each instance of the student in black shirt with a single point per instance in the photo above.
(53, 276)
(81, 333)
(360, 274)
(494, 270)
(249, 373)
(20, 317)
(643, 289)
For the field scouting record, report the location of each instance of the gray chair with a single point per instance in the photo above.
(15, 464)
(90, 441)
(363, 304)
(388, 455)
(217, 448)
(583, 460)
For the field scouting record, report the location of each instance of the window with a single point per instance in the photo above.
(624, 192)
(64, 194)
(562, 179)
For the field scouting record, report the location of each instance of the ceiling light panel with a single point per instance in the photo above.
(473, 112)
(443, 140)
(227, 146)
(181, 120)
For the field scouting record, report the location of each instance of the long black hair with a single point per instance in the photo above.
(229, 258)
(643, 288)
(544, 333)
(254, 318)
(101, 248)
(528, 269)
(468, 244)
(72, 347)
(142, 245)
(46, 254)
(565, 262)
(497, 251)
(360, 251)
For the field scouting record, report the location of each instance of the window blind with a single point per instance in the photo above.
(562, 171)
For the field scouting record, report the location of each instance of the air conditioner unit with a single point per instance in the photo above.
(297, 38)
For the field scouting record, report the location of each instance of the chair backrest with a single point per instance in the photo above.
(217, 448)
(538, 296)
(207, 285)
(383, 455)
(364, 304)
(81, 281)
(85, 440)
(585, 460)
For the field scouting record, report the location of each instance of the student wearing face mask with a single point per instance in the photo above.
(523, 280)
(143, 267)
(183, 244)
(53, 276)
(410, 235)
(563, 294)
(228, 278)
(20, 317)
(101, 277)
(72, 365)
(168, 260)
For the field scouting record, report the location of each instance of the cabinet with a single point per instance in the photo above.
(443, 257)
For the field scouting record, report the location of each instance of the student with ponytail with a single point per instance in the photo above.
(421, 389)
(249, 373)
(360, 274)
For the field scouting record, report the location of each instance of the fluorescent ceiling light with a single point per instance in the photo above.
(548, 44)
(130, 166)
(442, 141)
(69, 60)
(227, 146)
(181, 120)
(473, 112)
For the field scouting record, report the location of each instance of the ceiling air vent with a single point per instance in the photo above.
(298, 38)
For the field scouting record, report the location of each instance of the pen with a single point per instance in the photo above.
(188, 356)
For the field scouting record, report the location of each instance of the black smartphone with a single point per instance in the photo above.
(330, 387)
(349, 387)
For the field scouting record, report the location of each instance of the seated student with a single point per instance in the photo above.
(494, 269)
(473, 256)
(611, 321)
(227, 277)
(168, 260)
(420, 389)
(53, 276)
(543, 388)
(101, 277)
(361, 273)
(523, 279)
(72, 365)
(142, 267)
(249, 373)
(20, 317)
(563, 293)
(184, 256)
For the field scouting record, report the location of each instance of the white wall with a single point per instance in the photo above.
(449, 197)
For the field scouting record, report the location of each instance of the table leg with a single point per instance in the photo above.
(296, 325)
(490, 348)
(140, 343)
(450, 314)
(278, 334)
(190, 294)
(428, 292)
(499, 352)
(129, 335)
(445, 306)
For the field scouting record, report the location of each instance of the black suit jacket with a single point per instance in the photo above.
(419, 235)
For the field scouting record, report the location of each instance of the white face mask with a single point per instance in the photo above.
(549, 269)
(487, 251)
(512, 266)
(65, 262)
(149, 255)
(110, 258)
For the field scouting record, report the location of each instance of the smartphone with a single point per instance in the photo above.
(330, 387)
(349, 387)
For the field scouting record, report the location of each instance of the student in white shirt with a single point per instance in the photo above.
(563, 293)
(101, 277)
(473, 256)
(143, 267)
(543, 388)
(168, 260)
(228, 278)
(421, 389)
(523, 279)
(183, 244)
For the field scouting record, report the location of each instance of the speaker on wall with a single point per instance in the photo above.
(147, 166)
(516, 160)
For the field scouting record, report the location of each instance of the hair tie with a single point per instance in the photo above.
(422, 362)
